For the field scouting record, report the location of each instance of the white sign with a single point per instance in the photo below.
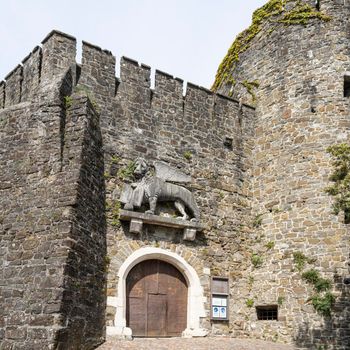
(216, 311)
(219, 307)
(222, 312)
(217, 301)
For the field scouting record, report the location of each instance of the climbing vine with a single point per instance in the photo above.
(274, 12)
(322, 299)
(300, 260)
(340, 189)
(127, 172)
(112, 209)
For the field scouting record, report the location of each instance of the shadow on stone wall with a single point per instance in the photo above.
(84, 295)
(335, 331)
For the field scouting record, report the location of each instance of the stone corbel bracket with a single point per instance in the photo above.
(137, 220)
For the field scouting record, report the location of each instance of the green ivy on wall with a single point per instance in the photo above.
(340, 189)
(322, 299)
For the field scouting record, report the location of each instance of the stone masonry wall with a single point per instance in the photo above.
(301, 110)
(52, 246)
(162, 124)
(84, 296)
(58, 210)
(69, 134)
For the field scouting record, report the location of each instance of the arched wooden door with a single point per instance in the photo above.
(156, 300)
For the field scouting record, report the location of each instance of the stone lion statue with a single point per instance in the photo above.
(155, 186)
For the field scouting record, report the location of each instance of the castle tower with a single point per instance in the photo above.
(293, 64)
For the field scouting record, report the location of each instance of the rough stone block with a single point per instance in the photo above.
(136, 226)
(189, 234)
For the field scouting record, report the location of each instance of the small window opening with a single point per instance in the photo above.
(228, 143)
(347, 216)
(267, 313)
(347, 86)
(318, 5)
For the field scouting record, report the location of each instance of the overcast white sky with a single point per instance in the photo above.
(185, 38)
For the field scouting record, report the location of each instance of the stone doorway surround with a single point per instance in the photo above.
(195, 292)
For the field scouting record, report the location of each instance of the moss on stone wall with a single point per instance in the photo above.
(301, 14)
(250, 87)
(273, 12)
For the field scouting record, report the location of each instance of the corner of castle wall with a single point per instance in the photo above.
(83, 165)
(58, 54)
(41, 66)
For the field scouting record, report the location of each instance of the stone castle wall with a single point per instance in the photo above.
(300, 110)
(162, 124)
(64, 206)
(53, 231)
(71, 132)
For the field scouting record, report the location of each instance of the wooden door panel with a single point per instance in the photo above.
(163, 280)
(176, 287)
(176, 325)
(156, 315)
(156, 299)
(135, 282)
(136, 316)
(151, 279)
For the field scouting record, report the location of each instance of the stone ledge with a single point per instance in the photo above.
(138, 219)
(127, 215)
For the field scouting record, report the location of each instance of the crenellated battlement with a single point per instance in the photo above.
(69, 130)
(31, 73)
(163, 122)
(44, 63)
(97, 72)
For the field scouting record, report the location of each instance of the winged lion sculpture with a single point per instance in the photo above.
(158, 186)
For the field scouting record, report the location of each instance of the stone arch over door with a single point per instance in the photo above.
(195, 299)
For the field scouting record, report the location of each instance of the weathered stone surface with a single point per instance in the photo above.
(52, 244)
(136, 226)
(301, 110)
(160, 220)
(52, 187)
(13, 87)
(258, 177)
(137, 220)
(31, 74)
